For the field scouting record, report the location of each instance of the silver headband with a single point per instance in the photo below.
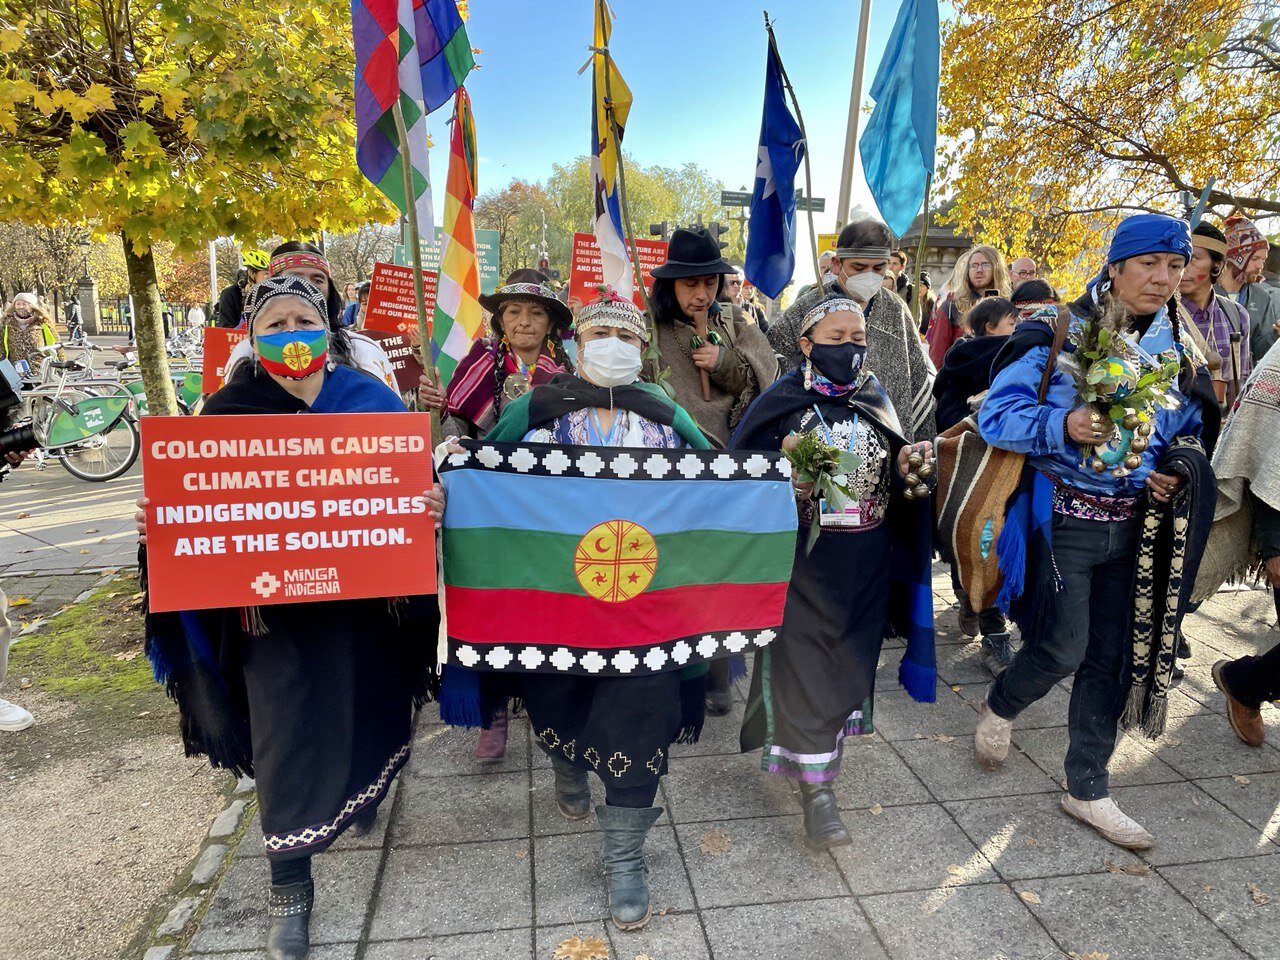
(824, 307)
(864, 253)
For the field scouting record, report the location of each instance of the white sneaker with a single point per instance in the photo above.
(13, 718)
(991, 738)
(1110, 821)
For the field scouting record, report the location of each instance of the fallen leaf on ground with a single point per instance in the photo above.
(876, 809)
(941, 738)
(22, 515)
(1260, 896)
(92, 530)
(1030, 897)
(1091, 955)
(716, 842)
(128, 655)
(1128, 869)
(1241, 780)
(84, 551)
(1208, 887)
(521, 854)
(955, 870)
(24, 683)
(957, 688)
(575, 948)
(643, 956)
(19, 601)
(1032, 841)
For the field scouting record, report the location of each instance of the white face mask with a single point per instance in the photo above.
(609, 362)
(863, 286)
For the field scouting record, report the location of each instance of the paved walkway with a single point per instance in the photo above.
(471, 863)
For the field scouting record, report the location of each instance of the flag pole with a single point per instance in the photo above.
(918, 305)
(415, 248)
(808, 177)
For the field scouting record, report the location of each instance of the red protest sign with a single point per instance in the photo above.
(256, 510)
(406, 361)
(218, 344)
(391, 305)
(585, 275)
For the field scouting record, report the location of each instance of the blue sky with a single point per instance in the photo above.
(696, 70)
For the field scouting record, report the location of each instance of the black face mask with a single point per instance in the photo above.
(838, 362)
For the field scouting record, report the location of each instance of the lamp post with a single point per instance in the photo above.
(87, 290)
(85, 245)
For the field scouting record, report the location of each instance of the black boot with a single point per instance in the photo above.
(289, 926)
(362, 823)
(823, 827)
(622, 853)
(573, 790)
(719, 690)
(997, 652)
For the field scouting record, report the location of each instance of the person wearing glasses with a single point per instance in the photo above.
(1022, 270)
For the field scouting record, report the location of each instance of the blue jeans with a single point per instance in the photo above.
(1090, 638)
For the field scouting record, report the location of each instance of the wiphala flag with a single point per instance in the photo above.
(612, 561)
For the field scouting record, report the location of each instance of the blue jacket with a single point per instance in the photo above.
(1011, 419)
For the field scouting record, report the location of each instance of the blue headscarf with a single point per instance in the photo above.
(1146, 233)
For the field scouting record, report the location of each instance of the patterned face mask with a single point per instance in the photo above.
(293, 354)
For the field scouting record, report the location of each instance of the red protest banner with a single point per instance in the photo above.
(405, 359)
(391, 306)
(259, 510)
(584, 267)
(218, 344)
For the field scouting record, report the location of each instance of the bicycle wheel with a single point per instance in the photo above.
(106, 456)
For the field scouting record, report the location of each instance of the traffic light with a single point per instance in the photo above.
(660, 230)
(718, 230)
(543, 264)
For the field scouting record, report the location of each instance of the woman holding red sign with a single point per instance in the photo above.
(315, 700)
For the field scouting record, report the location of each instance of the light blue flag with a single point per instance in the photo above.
(771, 255)
(897, 147)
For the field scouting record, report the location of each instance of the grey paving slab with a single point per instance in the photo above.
(813, 930)
(463, 809)
(1031, 837)
(951, 773)
(440, 751)
(493, 945)
(909, 848)
(709, 788)
(467, 888)
(1205, 746)
(1125, 918)
(1132, 763)
(547, 819)
(571, 886)
(959, 923)
(1049, 711)
(1257, 800)
(898, 717)
(1223, 891)
(676, 936)
(719, 736)
(962, 663)
(237, 916)
(871, 772)
(1189, 825)
(767, 862)
(335, 951)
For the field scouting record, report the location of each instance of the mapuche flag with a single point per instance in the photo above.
(612, 561)
(458, 319)
(610, 105)
(415, 51)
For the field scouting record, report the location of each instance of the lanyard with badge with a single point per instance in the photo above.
(850, 514)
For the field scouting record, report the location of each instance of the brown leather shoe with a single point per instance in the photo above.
(1245, 721)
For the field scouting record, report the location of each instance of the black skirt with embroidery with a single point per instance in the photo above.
(621, 728)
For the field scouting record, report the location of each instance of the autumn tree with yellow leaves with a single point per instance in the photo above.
(1059, 117)
(179, 121)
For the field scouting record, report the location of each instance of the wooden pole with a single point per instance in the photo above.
(415, 246)
(918, 305)
(808, 176)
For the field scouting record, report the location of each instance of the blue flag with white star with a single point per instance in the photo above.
(771, 253)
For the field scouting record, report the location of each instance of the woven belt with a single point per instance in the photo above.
(1091, 506)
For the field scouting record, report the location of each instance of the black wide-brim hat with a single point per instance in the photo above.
(692, 253)
(527, 285)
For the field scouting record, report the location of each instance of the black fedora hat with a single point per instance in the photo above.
(692, 253)
(527, 285)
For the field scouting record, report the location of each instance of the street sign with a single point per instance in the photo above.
(816, 204)
(734, 198)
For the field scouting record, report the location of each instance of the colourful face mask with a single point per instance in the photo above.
(294, 354)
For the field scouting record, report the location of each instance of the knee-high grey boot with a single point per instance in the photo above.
(622, 853)
(573, 790)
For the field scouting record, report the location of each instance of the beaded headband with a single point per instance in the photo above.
(824, 307)
(532, 289)
(296, 261)
(285, 286)
(611, 310)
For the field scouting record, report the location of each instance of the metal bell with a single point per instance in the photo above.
(1144, 429)
(1139, 444)
(910, 493)
(1131, 421)
(911, 480)
(922, 492)
(1132, 461)
(926, 470)
(914, 460)
(1098, 465)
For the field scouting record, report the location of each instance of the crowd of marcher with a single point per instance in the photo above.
(1090, 469)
